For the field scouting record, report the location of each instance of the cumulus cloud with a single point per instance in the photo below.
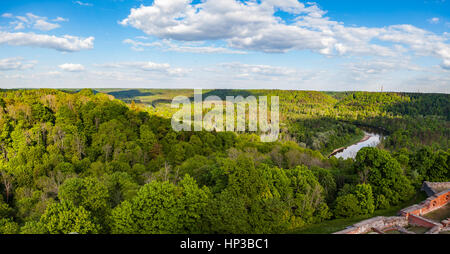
(71, 67)
(65, 43)
(253, 26)
(15, 63)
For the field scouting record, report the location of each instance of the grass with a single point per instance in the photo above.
(335, 225)
(393, 232)
(439, 214)
(417, 229)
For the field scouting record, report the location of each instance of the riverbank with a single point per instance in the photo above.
(339, 150)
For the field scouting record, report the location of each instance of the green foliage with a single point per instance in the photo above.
(365, 198)
(33, 227)
(5, 210)
(161, 207)
(433, 166)
(82, 161)
(347, 206)
(266, 200)
(385, 175)
(7, 226)
(88, 193)
(65, 218)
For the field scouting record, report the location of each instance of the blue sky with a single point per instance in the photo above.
(283, 44)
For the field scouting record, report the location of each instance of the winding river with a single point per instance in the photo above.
(369, 140)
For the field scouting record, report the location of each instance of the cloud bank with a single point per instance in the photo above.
(15, 63)
(254, 25)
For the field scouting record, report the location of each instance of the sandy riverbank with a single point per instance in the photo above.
(336, 151)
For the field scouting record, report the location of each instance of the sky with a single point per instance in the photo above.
(326, 45)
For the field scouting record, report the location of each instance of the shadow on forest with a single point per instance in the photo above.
(158, 101)
(129, 94)
(423, 104)
(223, 93)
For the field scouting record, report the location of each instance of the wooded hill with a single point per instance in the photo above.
(83, 161)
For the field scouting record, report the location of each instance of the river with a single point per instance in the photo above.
(370, 140)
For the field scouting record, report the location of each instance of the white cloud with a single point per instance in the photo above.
(137, 45)
(65, 43)
(83, 4)
(240, 75)
(378, 72)
(60, 19)
(17, 25)
(434, 20)
(72, 67)
(253, 26)
(446, 64)
(44, 25)
(378, 69)
(15, 63)
(169, 45)
(245, 70)
(7, 15)
(210, 20)
(33, 21)
(163, 68)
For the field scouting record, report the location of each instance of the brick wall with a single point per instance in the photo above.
(430, 204)
(423, 222)
(379, 222)
(408, 215)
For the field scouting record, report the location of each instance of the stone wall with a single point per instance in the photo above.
(379, 222)
(432, 188)
(430, 204)
(439, 196)
(422, 222)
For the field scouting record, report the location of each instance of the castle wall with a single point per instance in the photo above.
(379, 222)
(409, 215)
(430, 204)
(422, 222)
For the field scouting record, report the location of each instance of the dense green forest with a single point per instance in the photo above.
(108, 161)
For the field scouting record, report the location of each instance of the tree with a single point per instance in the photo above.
(5, 210)
(33, 227)
(121, 187)
(65, 218)
(366, 202)
(147, 140)
(384, 175)
(7, 180)
(162, 207)
(89, 193)
(308, 196)
(347, 206)
(8, 226)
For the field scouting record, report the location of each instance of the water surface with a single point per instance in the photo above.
(373, 140)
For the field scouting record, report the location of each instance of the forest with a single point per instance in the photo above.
(108, 162)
